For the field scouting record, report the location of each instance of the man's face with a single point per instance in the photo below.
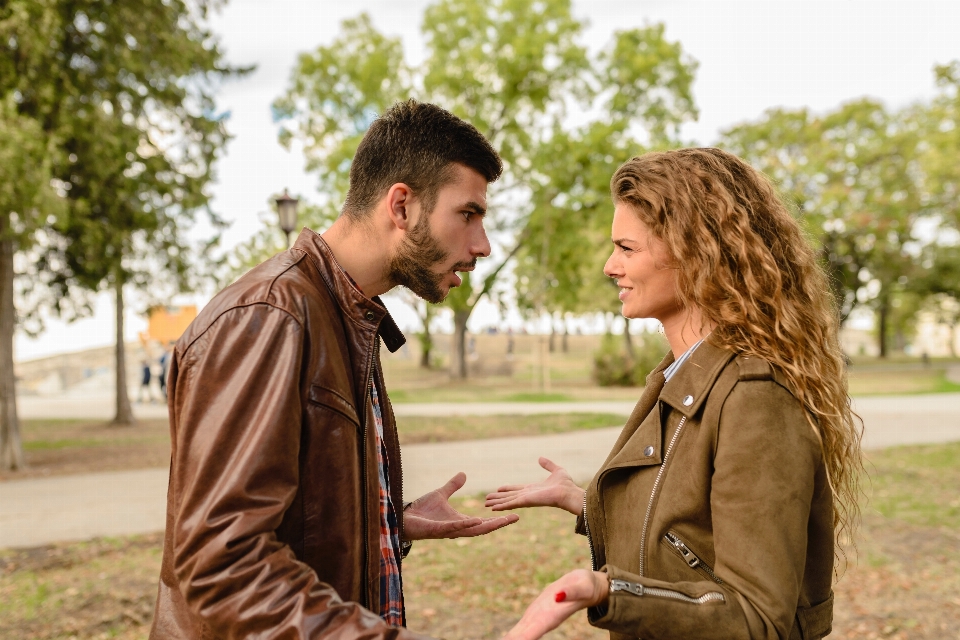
(446, 240)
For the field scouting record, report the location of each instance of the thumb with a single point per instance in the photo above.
(549, 465)
(453, 485)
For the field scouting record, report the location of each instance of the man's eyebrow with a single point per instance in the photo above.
(475, 207)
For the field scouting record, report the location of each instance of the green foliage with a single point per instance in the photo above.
(639, 93)
(121, 95)
(615, 365)
(855, 176)
(515, 69)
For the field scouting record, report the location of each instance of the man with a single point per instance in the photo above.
(284, 510)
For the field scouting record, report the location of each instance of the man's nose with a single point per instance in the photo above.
(481, 245)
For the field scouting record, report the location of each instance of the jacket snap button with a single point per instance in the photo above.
(688, 401)
(648, 451)
(370, 315)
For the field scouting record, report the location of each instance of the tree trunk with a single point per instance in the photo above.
(564, 343)
(11, 448)
(425, 337)
(553, 335)
(883, 313)
(952, 338)
(627, 338)
(459, 368)
(124, 415)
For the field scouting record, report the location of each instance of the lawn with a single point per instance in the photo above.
(59, 447)
(902, 582)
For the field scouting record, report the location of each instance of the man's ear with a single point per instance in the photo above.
(399, 201)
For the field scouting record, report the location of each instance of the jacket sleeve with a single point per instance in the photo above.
(760, 499)
(237, 411)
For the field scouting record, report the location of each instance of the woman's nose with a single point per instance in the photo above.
(611, 268)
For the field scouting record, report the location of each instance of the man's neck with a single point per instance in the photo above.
(361, 254)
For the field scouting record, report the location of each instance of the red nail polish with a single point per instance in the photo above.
(561, 596)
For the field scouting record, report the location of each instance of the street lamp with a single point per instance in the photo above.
(287, 211)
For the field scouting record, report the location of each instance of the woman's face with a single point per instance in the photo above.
(648, 288)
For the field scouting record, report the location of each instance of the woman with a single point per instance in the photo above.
(715, 514)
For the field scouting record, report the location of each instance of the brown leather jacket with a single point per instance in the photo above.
(272, 508)
(712, 513)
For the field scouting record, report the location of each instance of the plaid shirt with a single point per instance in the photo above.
(391, 586)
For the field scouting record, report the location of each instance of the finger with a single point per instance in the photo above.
(447, 528)
(453, 485)
(511, 487)
(488, 525)
(549, 465)
(508, 503)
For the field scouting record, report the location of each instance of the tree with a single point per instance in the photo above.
(26, 201)
(853, 176)
(122, 95)
(515, 70)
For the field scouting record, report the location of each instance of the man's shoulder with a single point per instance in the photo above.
(281, 284)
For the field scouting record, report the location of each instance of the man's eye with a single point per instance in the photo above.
(466, 215)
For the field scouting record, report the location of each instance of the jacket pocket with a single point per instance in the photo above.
(334, 401)
(692, 560)
(639, 590)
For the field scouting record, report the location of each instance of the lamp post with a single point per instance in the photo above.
(287, 212)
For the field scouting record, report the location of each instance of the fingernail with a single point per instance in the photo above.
(561, 596)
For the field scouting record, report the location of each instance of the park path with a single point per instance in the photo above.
(41, 511)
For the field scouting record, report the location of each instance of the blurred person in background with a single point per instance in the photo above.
(718, 511)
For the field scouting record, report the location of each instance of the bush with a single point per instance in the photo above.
(614, 367)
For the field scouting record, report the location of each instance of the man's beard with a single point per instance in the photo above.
(413, 265)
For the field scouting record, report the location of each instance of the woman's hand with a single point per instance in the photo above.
(557, 490)
(576, 590)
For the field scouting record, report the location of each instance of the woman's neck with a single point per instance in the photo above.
(684, 330)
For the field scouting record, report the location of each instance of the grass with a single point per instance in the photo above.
(917, 485)
(903, 581)
(444, 429)
(496, 376)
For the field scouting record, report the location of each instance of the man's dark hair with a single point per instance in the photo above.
(415, 143)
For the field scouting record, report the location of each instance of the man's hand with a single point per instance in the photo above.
(431, 516)
(576, 590)
(557, 490)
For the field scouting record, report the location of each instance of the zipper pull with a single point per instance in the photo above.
(691, 558)
(629, 587)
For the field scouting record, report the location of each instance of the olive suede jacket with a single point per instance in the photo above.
(273, 526)
(712, 514)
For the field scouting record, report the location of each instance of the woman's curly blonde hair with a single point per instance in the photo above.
(744, 262)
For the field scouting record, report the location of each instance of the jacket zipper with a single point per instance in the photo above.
(586, 527)
(653, 493)
(659, 592)
(689, 556)
(363, 462)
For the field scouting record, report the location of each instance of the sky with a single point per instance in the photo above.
(753, 55)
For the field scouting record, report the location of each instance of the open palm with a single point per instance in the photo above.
(432, 516)
(556, 490)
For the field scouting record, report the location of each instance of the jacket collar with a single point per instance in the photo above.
(689, 387)
(358, 308)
